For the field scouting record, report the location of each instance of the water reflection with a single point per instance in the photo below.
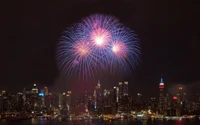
(42, 121)
(34, 121)
(179, 122)
(144, 122)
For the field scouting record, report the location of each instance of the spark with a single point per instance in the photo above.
(100, 37)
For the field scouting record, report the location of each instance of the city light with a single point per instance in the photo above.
(180, 88)
(161, 85)
(41, 94)
(113, 103)
(175, 97)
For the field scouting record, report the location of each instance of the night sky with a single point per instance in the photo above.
(168, 32)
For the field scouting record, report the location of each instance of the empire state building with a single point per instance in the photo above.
(162, 105)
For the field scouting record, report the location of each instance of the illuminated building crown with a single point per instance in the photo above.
(161, 85)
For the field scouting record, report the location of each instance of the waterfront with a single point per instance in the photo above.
(43, 121)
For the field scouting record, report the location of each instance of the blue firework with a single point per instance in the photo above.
(95, 43)
(75, 55)
(124, 51)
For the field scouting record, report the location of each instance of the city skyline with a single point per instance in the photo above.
(114, 101)
(77, 92)
(169, 42)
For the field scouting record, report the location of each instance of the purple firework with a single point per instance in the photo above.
(97, 42)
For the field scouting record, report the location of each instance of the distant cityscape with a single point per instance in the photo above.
(114, 102)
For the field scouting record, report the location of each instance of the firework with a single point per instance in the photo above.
(119, 49)
(100, 37)
(124, 51)
(95, 43)
(74, 55)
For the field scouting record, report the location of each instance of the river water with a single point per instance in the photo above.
(42, 121)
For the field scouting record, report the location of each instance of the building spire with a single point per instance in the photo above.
(161, 85)
(161, 80)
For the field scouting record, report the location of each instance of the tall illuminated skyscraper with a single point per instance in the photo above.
(95, 99)
(123, 95)
(34, 89)
(125, 87)
(98, 88)
(46, 91)
(60, 100)
(120, 90)
(181, 95)
(107, 100)
(116, 94)
(97, 96)
(115, 100)
(139, 99)
(69, 101)
(41, 97)
(98, 93)
(162, 106)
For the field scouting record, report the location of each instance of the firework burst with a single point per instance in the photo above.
(75, 55)
(124, 51)
(119, 49)
(97, 42)
(100, 37)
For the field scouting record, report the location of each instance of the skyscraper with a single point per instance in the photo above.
(69, 101)
(4, 101)
(123, 96)
(28, 100)
(162, 105)
(34, 89)
(125, 87)
(180, 94)
(120, 90)
(60, 100)
(46, 91)
(139, 99)
(97, 96)
(116, 94)
(41, 97)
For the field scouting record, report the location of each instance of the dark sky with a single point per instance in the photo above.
(168, 31)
